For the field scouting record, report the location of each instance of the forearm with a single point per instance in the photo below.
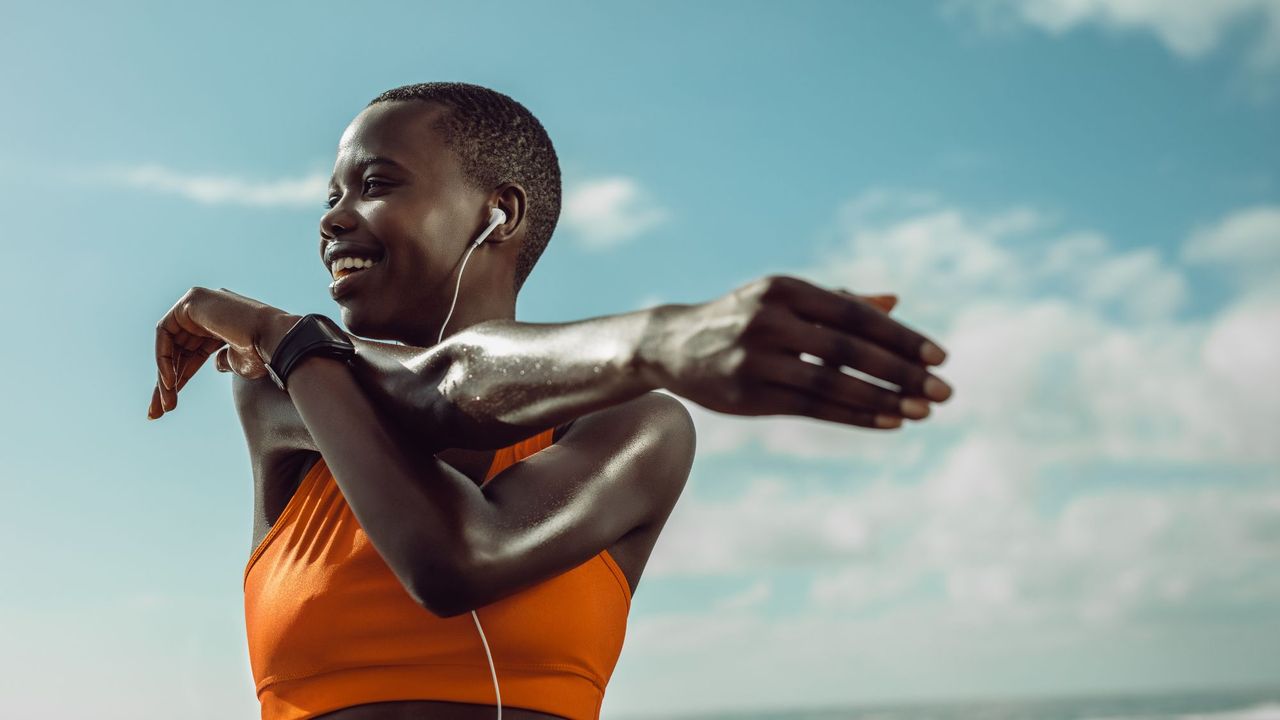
(500, 381)
(386, 477)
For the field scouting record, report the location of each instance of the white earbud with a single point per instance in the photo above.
(496, 218)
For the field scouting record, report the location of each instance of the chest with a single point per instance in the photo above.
(631, 552)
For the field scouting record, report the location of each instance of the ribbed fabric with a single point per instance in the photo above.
(330, 626)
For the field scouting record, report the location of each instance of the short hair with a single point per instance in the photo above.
(497, 140)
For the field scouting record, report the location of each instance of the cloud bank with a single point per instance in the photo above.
(607, 212)
(1102, 489)
(306, 191)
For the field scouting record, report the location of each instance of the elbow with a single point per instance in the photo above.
(449, 609)
(443, 593)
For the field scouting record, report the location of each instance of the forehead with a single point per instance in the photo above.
(399, 131)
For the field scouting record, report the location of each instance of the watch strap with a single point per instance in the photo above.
(313, 334)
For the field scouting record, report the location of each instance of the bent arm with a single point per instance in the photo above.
(499, 381)
(455, 546)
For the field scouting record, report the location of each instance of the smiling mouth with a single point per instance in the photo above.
(346, 278)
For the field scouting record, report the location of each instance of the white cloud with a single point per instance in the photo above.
(1055, 338)
(1188, 28)
(1246, 242)
(1111, 581)
(958, 562)
(749, 598)
(606, 212)
(1070, 358)
(224, 189)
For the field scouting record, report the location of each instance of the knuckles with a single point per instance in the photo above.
(760, 323)
(770, 287)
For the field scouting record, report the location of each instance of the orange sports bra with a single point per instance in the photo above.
(330, 626)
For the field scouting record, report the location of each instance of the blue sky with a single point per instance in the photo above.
(1080, 200)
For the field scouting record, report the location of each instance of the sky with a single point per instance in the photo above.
(1080, 200)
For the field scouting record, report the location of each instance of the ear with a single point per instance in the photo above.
(513, 200)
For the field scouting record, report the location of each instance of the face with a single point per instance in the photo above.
(397, 194)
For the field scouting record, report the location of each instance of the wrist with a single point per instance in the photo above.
(646, 363)
(272, 328)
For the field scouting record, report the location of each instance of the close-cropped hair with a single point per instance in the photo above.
(497, 140)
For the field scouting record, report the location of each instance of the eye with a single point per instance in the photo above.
(371, 183)
(333, 200)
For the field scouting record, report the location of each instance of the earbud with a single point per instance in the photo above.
(496, 218)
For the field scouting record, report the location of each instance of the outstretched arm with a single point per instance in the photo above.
(500, 381)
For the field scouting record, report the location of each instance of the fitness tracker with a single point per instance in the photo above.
(313, 334)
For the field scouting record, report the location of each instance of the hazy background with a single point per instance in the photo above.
(1079, 199)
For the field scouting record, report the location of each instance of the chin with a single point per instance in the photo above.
(358, 322)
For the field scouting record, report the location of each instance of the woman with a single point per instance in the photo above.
(454, 527)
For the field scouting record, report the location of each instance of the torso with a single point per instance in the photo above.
(272, 494)
(631, 551)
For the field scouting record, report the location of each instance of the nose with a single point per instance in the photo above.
(336, 221)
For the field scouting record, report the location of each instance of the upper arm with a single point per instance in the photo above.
(279, 445)
(271, 422)
(615, 469)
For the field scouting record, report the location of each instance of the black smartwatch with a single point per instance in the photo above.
(313, 334)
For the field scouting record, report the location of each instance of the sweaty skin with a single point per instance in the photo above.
(381, 424)
(412, 429)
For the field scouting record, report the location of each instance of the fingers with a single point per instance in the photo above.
(796, 335)
(816, 406)
(855, 317)
(164, 352)
(154, 410)
(806, 380)
(195, 359)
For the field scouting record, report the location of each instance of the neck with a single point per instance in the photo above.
(467, 312)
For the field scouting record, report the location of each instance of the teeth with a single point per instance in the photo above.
(348, 263)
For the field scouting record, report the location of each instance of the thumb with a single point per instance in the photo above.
(220, 361)
(883, 302)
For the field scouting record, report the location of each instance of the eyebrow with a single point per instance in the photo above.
(365, 161)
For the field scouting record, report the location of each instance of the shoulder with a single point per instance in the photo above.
(652, 414)
(654, 431)
(663, 413)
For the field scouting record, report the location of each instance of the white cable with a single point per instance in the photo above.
(455, 293)
(497, 218)
(493, 671)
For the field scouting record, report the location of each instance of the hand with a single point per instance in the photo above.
(201, 322)
(740, 354)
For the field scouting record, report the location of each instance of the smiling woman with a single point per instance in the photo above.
(457, 525)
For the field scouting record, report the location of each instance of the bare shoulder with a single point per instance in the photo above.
(655, 430)
(666, 416)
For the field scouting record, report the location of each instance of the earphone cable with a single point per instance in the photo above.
(492, 669)
(457, 287)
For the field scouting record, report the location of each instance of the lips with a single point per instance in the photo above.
(352, 280)
(343, 249)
